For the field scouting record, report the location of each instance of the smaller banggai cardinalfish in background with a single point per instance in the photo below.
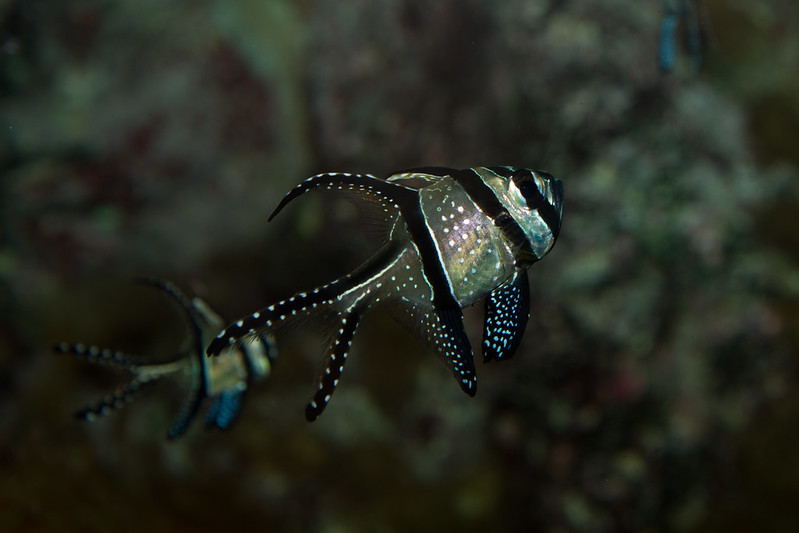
(223, 382)
(452, 238)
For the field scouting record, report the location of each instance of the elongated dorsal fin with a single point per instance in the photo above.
(388, 196)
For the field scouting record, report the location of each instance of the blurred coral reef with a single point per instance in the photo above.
(653, 391)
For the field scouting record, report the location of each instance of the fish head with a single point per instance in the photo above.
(534, 198)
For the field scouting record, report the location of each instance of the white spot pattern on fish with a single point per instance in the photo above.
(456, 237)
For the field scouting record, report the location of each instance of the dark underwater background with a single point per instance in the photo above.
(655, 389)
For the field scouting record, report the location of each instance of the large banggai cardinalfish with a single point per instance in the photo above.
(454, 237)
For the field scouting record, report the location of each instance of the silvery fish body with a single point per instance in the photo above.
(224, 380)
(454, 237)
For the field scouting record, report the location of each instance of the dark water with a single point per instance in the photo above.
(654, 387)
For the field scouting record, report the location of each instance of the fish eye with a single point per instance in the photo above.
(530, 187)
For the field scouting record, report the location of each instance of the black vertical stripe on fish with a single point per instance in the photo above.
(432, 266)
(506, 315)
(334, 366)
(536, 200)
(456, 349)
(453, 343)
(457, 236)
(404, 199)
(486, 200)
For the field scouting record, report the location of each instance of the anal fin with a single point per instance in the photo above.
(334, 365)
(225, 409)
(443, 331)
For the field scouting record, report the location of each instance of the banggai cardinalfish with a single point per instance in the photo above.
(454, 237)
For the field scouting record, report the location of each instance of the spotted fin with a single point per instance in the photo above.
(334, 365)
(225, 409)
(97, 356)
(506, 314)
(124, 394)
(443, 331)
(388, 196)
(120, 398)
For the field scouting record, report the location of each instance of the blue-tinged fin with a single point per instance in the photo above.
(225, 409)
(334, 365)
(506, 314)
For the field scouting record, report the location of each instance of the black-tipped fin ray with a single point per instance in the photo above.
(334, 365)
(506, 314)
(225, 409)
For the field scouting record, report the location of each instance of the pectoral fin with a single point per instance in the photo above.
(225, 409)
(506, 314)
